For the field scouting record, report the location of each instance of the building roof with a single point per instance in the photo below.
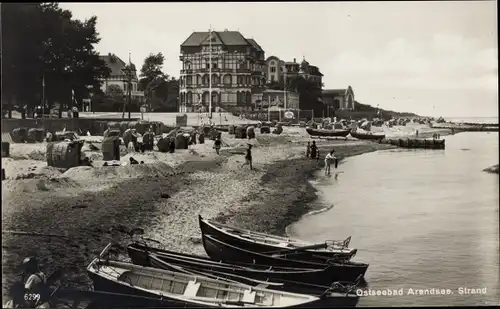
(227, 38)
(335, 91)
(115, 64)
(254, 44)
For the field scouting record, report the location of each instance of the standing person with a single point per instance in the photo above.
(308, 149)
(314, 150)
(329, 158)
(248, 157)
(217, 144)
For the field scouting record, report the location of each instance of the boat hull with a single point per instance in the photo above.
(140, 256)
(308, 255)
(373, 137)
(220, 251)
(327, 133)
(141, 299)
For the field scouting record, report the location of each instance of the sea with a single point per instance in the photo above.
(427, 221)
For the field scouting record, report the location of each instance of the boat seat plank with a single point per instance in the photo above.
(192, 289)
(249, 296)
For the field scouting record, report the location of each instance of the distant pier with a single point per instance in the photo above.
(415, 143)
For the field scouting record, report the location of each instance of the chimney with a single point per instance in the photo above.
(225, 30)
(109, 54)
(294, 60)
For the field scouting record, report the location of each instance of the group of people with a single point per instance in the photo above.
(312, 152)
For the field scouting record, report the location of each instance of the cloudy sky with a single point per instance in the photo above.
(432, 58)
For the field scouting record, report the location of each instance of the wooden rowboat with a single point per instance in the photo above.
(220, 251)
(266, 243)
(169, 288)
(329, 133)
(367, 136)
(141, 255)
(337, 294)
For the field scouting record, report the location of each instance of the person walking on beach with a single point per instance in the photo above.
(314, 150)
(329, 159)
(248, 157)
(308, 149)
(217, 144)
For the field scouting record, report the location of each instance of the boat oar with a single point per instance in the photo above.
(22, 233)
(297, 249)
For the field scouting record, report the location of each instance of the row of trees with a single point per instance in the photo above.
(48, 54)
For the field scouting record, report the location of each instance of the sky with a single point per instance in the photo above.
(433, 58)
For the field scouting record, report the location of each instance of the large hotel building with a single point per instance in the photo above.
(238, 69)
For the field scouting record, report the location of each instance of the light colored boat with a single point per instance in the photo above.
(172, 288)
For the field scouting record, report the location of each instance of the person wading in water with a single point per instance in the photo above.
(308, 149)
(329, 159)
(314, 150)
(248, 157)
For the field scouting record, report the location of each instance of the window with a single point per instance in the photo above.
(273, 69)
(272, 78)
(189, 80)
(207, 65)
(214, 65)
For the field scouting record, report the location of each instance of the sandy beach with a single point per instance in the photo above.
(163, 196)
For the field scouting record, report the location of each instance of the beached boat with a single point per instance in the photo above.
(336, 294)
(140, 254)
(221, 251)
(327, 133)
(368, 135)
(168, 288)
(265, 243)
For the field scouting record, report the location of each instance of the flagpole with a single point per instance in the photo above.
(210, 74)
(43, 94)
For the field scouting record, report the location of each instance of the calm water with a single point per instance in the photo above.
(422, 219)
(473, 119)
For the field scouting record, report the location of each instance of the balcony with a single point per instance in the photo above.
(189, 71)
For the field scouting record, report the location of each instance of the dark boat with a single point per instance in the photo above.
(367, 136)
(179, 289)
(265, 243)
(328, 133)
(337, 294)
(141, 255)
(220, 251)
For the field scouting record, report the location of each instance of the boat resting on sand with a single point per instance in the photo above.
(220, 251)
(337, 294)
(328, 133)
(169, 288)
(142, 255)
(266, 243)
(367, 136)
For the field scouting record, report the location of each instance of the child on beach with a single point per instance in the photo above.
(314, 150)
(217, 144)
(248, 157)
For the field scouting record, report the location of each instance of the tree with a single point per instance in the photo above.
(151, 70)
(115, 92)
(45, 45)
